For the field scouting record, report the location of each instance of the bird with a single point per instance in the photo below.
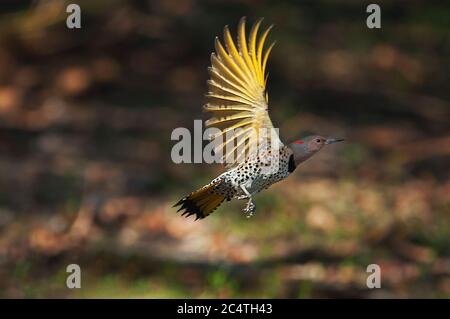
(255, 158)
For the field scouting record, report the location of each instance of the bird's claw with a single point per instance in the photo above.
(250, 209)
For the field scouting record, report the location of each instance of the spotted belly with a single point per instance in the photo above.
(255, 175)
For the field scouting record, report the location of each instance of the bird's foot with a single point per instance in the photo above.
(242, 197)
(250, 209)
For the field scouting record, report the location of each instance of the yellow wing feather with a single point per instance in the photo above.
(237, 92)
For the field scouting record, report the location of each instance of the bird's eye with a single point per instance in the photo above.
(318, 141)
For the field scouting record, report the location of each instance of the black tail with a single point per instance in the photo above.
(200, 203)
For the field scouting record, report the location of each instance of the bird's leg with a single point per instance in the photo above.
(246, 193)
(250, 208)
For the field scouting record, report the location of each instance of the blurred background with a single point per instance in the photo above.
(86, 176)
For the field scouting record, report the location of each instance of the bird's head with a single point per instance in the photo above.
(310, 145)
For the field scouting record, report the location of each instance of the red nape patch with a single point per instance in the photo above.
(298, 142)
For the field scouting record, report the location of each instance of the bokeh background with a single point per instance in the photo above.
(86, 177)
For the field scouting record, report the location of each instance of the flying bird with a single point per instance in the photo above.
(238, 102)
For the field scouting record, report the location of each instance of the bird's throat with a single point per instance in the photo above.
(300, 158)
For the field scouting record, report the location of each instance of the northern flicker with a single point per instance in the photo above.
(238, 100)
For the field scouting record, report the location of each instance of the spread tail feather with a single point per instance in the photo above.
(200, 203)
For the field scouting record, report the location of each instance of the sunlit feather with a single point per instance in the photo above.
(237, 91)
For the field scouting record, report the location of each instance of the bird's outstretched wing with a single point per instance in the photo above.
(237, 96)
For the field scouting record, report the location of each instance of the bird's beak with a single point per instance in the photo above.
(333, 140)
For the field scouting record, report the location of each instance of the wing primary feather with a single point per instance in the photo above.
(226, 97)
(243, 49)
(236, 125)
(226, 108)
(238, 135)
(225, 57)
(214, 72)
(232, 50)
(266, 56)
(252, 45)
(237, 91)
(238, 116)
(261, 46)
(212, 83)
(221, 67)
